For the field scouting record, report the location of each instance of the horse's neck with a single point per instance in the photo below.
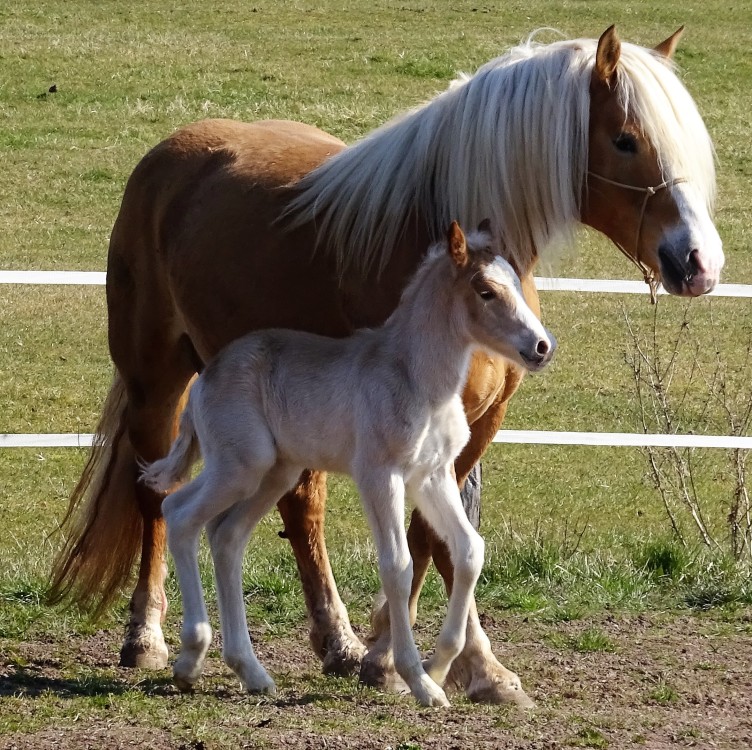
(427, 333)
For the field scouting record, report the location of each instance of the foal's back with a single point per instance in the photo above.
(300, 388)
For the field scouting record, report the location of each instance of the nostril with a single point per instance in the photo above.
(542, 347)
(696, 264)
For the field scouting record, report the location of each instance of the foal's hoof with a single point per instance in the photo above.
(429, 694)
(268, 689)
(183, 685)
(258, 683)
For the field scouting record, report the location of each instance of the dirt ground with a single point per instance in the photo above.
(649, 681)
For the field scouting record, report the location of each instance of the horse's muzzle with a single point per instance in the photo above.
(686, 275)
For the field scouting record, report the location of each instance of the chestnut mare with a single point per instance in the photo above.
(227, 227)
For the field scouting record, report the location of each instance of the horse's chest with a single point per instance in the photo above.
(444, 437)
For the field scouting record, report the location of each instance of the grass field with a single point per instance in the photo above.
(574, 534)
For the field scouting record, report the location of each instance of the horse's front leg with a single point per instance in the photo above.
(476, 669)
(377, 668)
(439, 501)
(383, 496)
(331, 634)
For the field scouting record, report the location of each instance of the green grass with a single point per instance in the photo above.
(570, 531)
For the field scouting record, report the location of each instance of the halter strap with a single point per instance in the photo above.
(649, 191)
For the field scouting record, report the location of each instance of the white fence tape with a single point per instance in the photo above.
(537, 437)
(544, 283)
(96, 278)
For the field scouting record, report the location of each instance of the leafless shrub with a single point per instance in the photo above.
(682, 388)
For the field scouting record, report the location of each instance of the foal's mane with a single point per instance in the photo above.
(509, 143)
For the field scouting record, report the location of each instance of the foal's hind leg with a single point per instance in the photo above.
(228, 537)
(331, 634)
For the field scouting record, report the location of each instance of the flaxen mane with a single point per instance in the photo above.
(509, 143)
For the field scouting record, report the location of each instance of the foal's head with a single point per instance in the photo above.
(498, 317)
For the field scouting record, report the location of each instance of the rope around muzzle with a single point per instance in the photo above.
(647, 273)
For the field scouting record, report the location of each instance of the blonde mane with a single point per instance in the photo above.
(509, 143)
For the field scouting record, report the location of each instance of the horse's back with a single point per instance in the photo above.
(197, 246)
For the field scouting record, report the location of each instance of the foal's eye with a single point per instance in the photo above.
(626, 143)
(486, 294)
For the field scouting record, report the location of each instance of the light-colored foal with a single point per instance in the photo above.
(383, 406)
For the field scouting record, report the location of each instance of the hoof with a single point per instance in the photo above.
(267, 689)
(495, 693)
(345, 661)
(183, 685)
(429, 694)
(142, 655)
(381, 674)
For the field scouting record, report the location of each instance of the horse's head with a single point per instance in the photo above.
(498, 317)
(651, 180)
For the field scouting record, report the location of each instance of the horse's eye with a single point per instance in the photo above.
(486, 294)
(626, 143)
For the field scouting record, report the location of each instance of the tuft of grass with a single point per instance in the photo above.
(664, 694)
(663, 558)
(591, 640)
(588, 737)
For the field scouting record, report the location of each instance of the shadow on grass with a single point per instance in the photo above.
(28, 681)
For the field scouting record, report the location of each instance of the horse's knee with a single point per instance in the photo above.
(396, 572)
(468, 559)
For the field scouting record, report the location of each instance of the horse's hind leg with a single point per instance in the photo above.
(331, 634)
(156, 362)
(151, 422)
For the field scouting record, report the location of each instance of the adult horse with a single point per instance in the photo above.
(228, 227)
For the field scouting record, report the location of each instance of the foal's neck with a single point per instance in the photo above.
(428, 331)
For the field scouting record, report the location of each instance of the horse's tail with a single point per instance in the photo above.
(173, 469)
(102, 527)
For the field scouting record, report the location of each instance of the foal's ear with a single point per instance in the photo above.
(607, 57)
(457, 245)
(667, 47)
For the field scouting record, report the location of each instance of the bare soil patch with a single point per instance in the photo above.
(623, 681)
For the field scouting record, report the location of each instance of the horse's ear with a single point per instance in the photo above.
(607, 57)
(667, 47)
(485, 227)
(457, 245)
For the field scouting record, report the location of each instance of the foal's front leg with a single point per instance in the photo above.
(383, 496)
(438, 499)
